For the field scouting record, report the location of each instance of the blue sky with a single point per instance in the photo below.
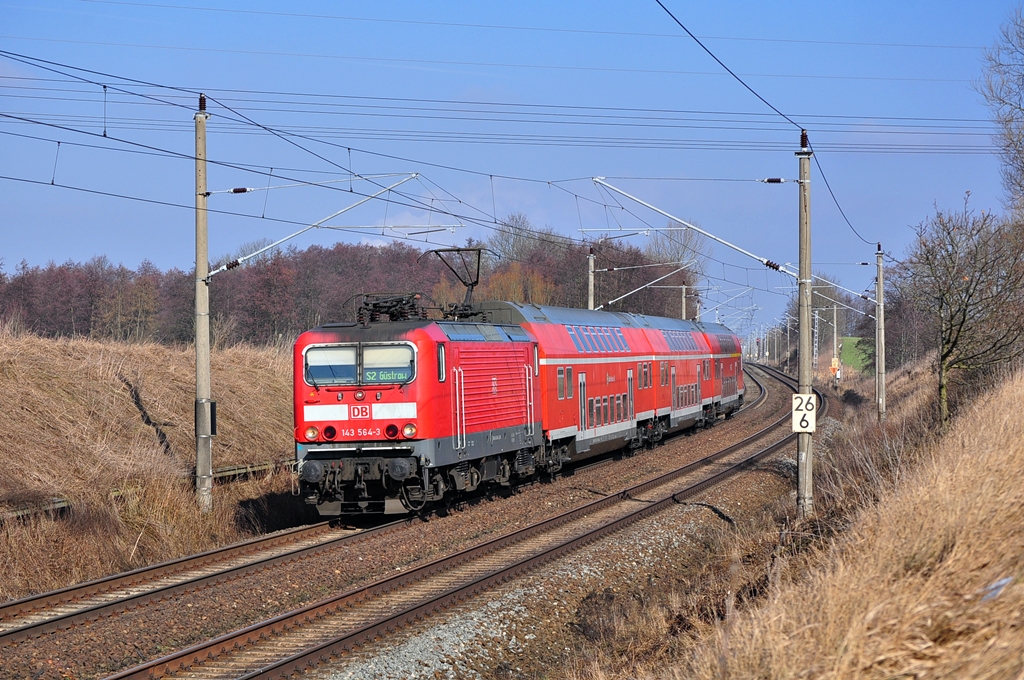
(495, 105)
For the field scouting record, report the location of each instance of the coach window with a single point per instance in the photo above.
(568, 382)
(610, 339)
(561, 383)
(618, 407)
(441, 370)
(604, 410)
(588, 342)
(590, 414)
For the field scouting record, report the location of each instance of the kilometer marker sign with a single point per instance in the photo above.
(805, 410)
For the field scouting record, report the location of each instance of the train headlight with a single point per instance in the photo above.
(330, 432)
(312, 433)
(360, 395)
(409, 431)
(391, 431)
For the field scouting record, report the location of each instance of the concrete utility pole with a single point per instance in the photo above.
(880, 338)
(590, 279)
(204, 405)
(805, 451)
(683, 316)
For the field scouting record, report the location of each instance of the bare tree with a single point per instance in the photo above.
(967, 271)
(676, 244)
(514, 237)
(1003, 89)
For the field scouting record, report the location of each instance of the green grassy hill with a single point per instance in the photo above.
(857, 353)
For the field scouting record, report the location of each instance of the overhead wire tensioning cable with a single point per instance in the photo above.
(769, 105)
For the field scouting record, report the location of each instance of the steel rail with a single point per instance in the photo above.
(196, 655)
(31, 606)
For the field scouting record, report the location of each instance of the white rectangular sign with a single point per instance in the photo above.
(805, 409)
(325, 412)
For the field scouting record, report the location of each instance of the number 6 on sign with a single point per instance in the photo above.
(804, 412)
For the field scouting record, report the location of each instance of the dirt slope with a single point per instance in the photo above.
(109, 426)
(928, 583)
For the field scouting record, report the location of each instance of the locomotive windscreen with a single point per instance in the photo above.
(387, 363)
(331, 365)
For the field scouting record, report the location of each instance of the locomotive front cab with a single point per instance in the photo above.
(357, 375)
(357, 417)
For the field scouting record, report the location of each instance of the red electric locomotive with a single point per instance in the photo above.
(393, 415)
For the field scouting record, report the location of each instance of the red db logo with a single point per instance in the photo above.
(360, 412)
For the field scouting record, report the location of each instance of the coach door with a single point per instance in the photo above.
(629, 395)
(581, 391)
(675, 392)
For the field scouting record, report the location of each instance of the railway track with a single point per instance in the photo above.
(60, 609)
(310, 635)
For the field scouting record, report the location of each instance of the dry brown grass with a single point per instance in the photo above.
(908, 590)
(889, 581)
(71, 426)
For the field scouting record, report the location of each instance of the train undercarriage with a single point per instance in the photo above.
(377, 478)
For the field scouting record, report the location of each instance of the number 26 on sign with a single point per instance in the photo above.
(804, 412)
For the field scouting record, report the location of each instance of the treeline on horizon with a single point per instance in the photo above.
(274, 297)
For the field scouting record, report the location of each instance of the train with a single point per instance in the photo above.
(396, 412)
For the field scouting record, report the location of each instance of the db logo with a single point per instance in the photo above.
(360, 412)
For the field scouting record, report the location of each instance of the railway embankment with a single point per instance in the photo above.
(107, 428)
(926, 582)
(914, 566)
